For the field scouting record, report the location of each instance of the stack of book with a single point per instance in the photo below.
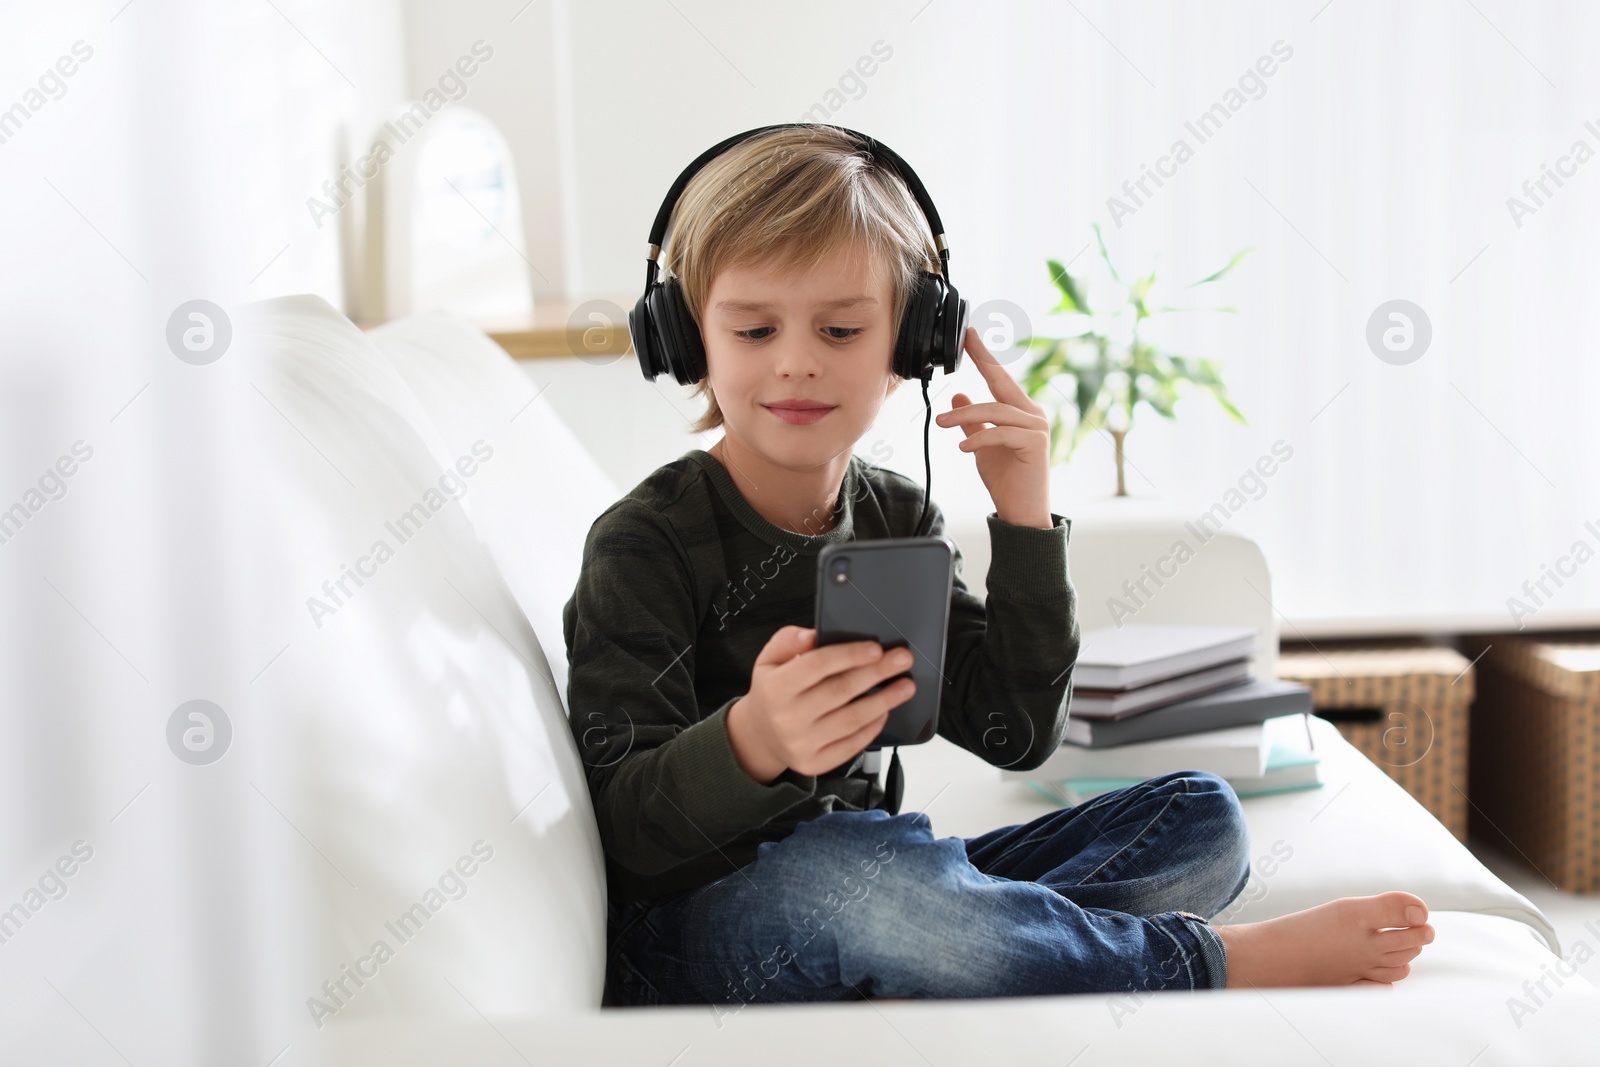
(1147, 700)
(1140, 683)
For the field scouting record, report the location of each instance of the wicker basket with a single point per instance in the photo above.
(1536, 753)
(1405, 706)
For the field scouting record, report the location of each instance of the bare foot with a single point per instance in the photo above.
(1342, 942)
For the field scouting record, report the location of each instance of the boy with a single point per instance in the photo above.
(748, 855)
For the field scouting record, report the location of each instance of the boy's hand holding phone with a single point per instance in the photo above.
(805, 710)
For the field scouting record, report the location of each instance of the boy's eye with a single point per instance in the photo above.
(761, 333)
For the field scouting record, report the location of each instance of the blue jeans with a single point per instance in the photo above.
(1109, 896)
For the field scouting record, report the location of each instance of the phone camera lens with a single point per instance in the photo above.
(841, 571)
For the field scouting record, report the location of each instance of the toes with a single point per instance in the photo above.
(1389, 974)
(1401, 956)
(1389, 910)
(1407, 937)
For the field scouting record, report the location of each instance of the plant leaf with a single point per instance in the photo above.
(1071, 297)
(1164, 396)
(1091, 421)
(1214, 275)
(1060, 441)
(1091, 383)
(1106, 254)
(1227, 405)
(1045, 368)
(1199, 371)
(1137, 293)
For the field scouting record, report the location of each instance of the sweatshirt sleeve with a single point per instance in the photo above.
(665, 784)
(1009, 660)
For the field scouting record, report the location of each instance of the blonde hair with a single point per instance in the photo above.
(800, 193)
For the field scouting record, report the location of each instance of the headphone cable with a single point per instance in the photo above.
(927, 421)
(927, 459)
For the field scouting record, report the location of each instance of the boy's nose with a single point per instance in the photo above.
(795, 362)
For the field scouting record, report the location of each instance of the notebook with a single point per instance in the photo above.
(1288, 770)
(1238, 751)
(1119, 704)
(1129, 656)
(1256, 700)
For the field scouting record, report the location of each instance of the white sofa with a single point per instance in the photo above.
(420, 722)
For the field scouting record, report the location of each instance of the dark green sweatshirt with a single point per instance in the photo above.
(682, 584)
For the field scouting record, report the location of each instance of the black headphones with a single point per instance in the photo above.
(665, 335)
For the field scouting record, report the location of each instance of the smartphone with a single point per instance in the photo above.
(896, 591)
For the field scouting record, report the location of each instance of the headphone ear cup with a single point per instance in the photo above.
(686, 332)
(951, 330)
(913, 349)
(641, 329)
(675, 333)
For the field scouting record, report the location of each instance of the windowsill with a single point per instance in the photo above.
(554, 333)
(1487, 622)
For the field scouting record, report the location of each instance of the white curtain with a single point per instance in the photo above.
(157, 154)
(1375, 163)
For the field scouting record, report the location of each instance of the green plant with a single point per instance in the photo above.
(1113, 368)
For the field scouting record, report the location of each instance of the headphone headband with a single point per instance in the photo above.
(879, 152)
(667, 337)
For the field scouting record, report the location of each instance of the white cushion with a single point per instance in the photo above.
(420, 716)
(533, 505)
(1419, 1020)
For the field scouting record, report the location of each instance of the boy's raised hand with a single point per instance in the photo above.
(805, 710)
(1013, 454)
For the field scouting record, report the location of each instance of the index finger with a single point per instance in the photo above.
(1005, 387)
(784, 645)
